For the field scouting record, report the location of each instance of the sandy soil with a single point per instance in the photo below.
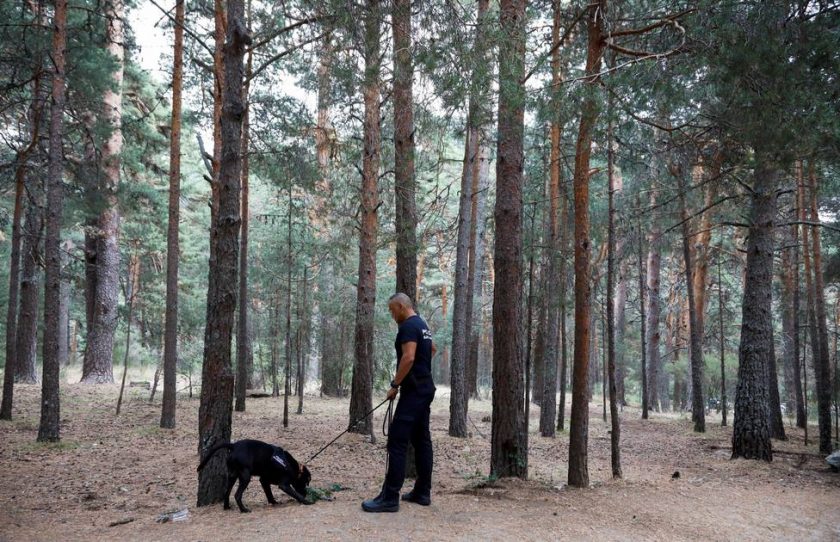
(110, 478)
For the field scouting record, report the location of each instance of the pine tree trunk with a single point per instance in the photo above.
(131, 288)
(643, 319)
(329, 359)
(579, 427)
(654, 260)
(219, 19)
(48, 427)
(27, 326)
(462, 309)
(620, 302)
(215, 410)
(458, 402)
(810, 296)
(361, 392)
(699, 245)
(274, 334)
(615, 425)
(789, 282)
(698, 410)
(459, 395)
(548, 392)
(170, 346)
(35, 112)
(822, 364)
(14, 287)
(404, 185)
(303, 324)
(619, 298)
(721, 347)
(287, 390)
(751, 434)
(508, 444)
(97, 366)
(801, 418)
(481, 183)
(243, 340)
(563, 279)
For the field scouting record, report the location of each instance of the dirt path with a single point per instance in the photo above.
(111, 477)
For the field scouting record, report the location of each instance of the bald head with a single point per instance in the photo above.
(401, 307)
(402, 299)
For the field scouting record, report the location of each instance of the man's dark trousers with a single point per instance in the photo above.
(410, 424)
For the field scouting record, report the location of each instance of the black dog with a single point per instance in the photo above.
(271, 463)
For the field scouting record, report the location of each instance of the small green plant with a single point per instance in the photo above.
(315, 494)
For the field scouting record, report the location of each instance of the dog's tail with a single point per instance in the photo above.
(212, 452)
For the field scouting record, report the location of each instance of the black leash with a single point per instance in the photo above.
(352, 425)
(386, 421)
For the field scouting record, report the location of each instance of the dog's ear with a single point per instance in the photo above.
(305, 475)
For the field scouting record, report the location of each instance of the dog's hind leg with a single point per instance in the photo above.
(267, 488)
(231, 480)
(244, 479)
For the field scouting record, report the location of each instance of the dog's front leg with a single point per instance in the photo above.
(292, 492)
(267, 488)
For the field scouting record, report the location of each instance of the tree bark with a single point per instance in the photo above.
(810, 296)
(97, 366)
(643, 318)
(548, 391)
(508, 444)
(654, 260)
(131, 287)
(215, 410)
(579, 427)
(27, 326)
(458, 399)
(243, 339)
(751, 434)
(615, 434)
(620, 303)
(698, 408)
(170, 345)
(48, 427)
(219, 22)
(36, 110)
(287, 390)
(789, 300)
(362, 386)
(302, 342)
(404, 185)
(822, 364)
(481, 183)
(721, 347)
(563, 278)
(330, 359)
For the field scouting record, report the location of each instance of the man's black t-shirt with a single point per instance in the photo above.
(414, 329)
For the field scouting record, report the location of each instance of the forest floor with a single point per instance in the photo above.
(111, 477)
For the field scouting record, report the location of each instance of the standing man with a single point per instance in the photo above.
(415, 350)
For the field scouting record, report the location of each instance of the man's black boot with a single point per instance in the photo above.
(379, 504)
(412, 496)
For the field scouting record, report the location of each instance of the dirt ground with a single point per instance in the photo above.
(111, 477)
